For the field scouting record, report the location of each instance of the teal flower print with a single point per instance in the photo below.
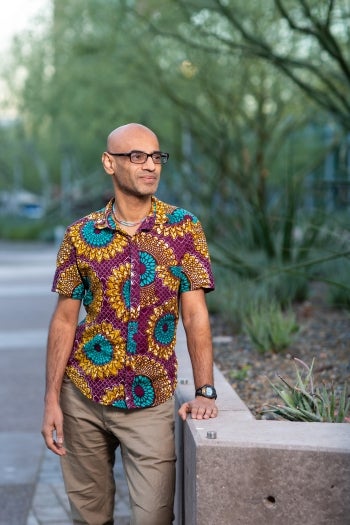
(142, 391)
(83, 291)
(95, 237)
(165, 329)
(126, 293)
(148, 268)
(132, 330)
(78, 292)
(179, 214)
(99, 350)
(120, 403)
(185, 285)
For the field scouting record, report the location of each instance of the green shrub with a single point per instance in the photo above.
(339, 296)
(305, 402)
(269, 327)
(287, 288)
(339, 288)
(239, 374)
(233, 298)
(21, 229)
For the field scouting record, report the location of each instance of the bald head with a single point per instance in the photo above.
(131, 136)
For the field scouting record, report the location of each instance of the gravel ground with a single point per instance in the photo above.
(324, 334)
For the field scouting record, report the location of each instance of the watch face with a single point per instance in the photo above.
(206, 391)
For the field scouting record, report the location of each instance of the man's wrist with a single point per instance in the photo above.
(207, 391)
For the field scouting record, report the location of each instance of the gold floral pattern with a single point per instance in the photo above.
(199, 241)
(194, 268)
(123, 353)
(113, 394)
(118, 291)
(150, 368)
(159, 248)
(64, 251)
(161, 331)
(69, 281)
(93, 295)
(79, 381)
(148, 295)
(169, 279)
(101, 352)
(104, 250)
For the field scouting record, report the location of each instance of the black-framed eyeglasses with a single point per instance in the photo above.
(140, 157)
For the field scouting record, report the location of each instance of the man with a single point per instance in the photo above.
(110, 379)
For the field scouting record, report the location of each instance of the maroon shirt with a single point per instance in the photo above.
(123, 352)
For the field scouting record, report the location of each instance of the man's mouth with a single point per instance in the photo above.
(149, 178)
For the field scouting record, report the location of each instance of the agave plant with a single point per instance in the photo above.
(269, 328)
(305, 402)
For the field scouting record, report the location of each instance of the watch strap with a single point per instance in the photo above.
(207, 391)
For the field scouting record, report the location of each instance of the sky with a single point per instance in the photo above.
(15, 16)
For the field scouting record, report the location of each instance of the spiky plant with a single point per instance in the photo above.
(269, 328)
(305, 402)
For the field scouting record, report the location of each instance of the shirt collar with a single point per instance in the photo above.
(156, 216)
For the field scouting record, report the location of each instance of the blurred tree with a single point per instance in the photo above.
(250, 135)
(236, 117)
(231, 87)
(75, 81)
(307, 40)
(183, 68)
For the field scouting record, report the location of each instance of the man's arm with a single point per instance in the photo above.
(195, 319)
(60, 341)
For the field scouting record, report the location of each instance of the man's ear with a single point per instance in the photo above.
(108, 163)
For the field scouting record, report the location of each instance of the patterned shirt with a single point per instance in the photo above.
(123, 352)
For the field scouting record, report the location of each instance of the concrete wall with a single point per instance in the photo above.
(257, 472)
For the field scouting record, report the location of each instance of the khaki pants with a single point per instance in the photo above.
(92, 432)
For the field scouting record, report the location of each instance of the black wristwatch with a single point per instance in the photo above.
(207, 391)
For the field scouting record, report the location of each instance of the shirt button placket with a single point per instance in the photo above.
(134, 281)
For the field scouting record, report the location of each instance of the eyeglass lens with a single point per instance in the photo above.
(139, 157)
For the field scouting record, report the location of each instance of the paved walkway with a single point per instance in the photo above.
(31, 485)
(50, 504)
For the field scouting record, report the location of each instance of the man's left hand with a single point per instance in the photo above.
(199, 408)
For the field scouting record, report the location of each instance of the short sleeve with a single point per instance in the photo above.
(196, 265)
(67, 280)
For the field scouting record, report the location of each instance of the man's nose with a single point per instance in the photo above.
(149, 164)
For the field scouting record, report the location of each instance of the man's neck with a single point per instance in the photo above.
(131, 210)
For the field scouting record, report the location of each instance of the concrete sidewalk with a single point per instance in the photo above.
(50, 504)
(31, 484)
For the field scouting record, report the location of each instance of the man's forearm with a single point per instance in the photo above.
(201, 355)
(59, 346)
(196, 322)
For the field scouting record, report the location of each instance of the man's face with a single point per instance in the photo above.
(139, 180)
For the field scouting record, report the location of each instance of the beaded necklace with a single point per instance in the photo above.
(127, 223)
